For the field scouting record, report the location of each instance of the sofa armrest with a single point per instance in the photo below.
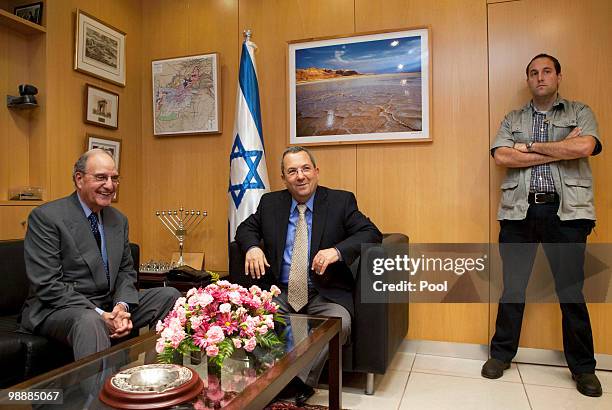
(378, 328)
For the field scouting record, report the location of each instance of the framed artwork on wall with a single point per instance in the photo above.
(101, 107)
(31, 12)
(99, 49)
(373, 87)
(110, 145)
(186, 95)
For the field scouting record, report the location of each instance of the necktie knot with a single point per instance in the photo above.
(301, 209)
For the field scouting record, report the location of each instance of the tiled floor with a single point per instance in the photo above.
(435, 382)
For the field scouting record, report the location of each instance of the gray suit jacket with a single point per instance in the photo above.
(64, 264)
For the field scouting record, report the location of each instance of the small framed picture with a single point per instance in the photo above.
(31, 12)
(100, 49)
(101, 107)
(110, 145)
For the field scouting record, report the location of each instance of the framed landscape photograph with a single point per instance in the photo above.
(99, 49)
(360, 89)
(101, 107)
(31, 12)
(186, 95)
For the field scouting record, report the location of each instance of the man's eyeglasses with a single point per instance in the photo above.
(293, 172)
(103, 177)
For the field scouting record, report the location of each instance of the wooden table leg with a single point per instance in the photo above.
(335, 373)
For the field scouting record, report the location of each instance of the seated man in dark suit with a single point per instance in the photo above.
(311, 234)
(79, 264)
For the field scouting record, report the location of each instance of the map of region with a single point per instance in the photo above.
(185, 95)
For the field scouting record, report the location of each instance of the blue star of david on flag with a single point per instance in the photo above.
(252, 180)
(248, 179)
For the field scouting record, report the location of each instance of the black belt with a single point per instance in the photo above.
(543, 198)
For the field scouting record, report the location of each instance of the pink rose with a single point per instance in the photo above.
(160, 345)
(215, 334)
(250, 344)
(237, 343)
(225, 308)
(212, 350)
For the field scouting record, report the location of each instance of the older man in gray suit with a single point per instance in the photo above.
(80, 267)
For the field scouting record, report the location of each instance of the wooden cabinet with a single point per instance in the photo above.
(13, 220)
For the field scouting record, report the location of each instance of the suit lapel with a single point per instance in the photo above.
(85, 242)
(319, 215)
(284, 206)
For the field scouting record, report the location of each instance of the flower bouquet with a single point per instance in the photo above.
(217, 320)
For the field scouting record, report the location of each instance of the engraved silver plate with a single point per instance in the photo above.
(151, 378)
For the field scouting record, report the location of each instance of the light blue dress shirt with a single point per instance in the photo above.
(293, 219)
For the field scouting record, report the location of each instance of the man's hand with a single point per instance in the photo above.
(521, 146)
(118, 322)
(323, 258)
(255, 263)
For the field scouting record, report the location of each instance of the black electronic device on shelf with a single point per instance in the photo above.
(26, 99)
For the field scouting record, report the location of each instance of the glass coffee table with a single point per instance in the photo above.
(250, 387)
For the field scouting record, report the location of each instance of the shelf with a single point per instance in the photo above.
(21, 203)
(18, 24)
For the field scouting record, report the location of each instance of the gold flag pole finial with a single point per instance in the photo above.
(247, 34)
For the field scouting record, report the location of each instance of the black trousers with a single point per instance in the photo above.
(564, 244)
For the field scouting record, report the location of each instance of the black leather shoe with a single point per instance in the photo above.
(494, 369)
(303, 394)
(289, 391)
(588, 384)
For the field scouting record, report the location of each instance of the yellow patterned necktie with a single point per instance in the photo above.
(297, 293)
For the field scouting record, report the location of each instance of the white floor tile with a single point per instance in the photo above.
(434, 391)
(554, 376)
(551, 376)
(388, 394)
(452, 366)
(555, 398)
(402, 361)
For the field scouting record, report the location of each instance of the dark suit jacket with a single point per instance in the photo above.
(64, 264)
(336, 222)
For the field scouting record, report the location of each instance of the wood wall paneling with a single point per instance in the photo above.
(436, 192)
(518, 31)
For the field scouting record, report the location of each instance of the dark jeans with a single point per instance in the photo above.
(564, 244)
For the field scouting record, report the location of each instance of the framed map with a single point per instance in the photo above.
(372, 87)
(186, 96)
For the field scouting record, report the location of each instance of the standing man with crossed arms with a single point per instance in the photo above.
(547, 197)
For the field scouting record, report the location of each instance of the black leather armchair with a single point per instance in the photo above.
(24, 355)
(378, 329)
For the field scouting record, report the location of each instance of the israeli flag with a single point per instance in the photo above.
(248, 179)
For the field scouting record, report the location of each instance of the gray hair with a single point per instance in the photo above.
(80, 165)
(295, 150)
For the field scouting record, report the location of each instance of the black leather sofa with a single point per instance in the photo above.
(378, 329)
(22, 355)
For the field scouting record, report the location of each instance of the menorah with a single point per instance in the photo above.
(179, 223)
